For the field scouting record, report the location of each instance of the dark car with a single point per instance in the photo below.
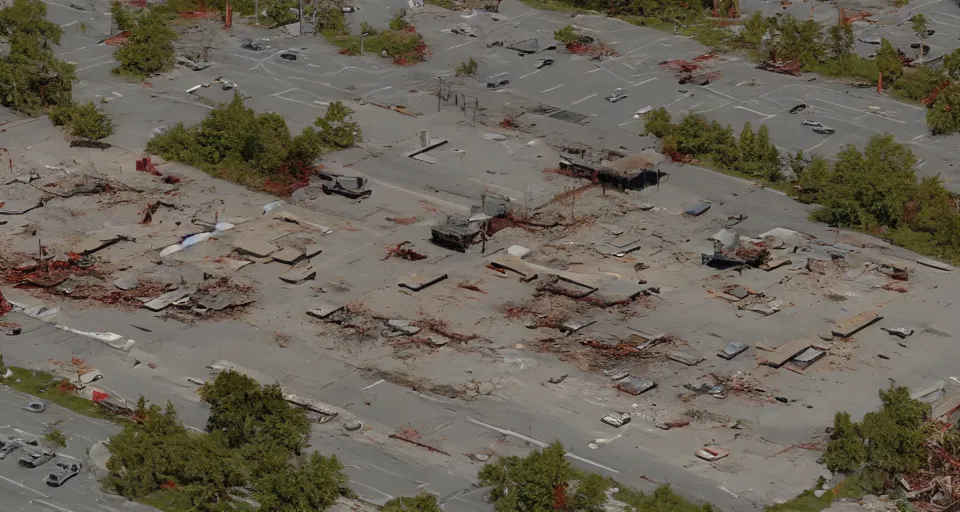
(62, 472)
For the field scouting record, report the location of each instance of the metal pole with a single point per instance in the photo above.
(300, 12)
(256, 12)
(361, 45)
(439, 92)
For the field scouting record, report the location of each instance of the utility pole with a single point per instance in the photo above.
(256, 13)
(300, 13)
(439, 92)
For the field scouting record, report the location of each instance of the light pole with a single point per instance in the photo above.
(256, 13)
(362, 35)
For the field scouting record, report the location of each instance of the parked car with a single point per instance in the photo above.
(10, 444)
(62, 472)
(497, 83)
(36, 459)
(616, 96)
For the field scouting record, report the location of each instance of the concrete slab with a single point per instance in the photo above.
(288, 255)
(787, 351)
(161, 302)
(297, 275)
(255, 247)
(850, 326)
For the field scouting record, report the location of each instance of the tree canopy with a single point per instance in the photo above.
(257, 150)
(82, 120)
(253, 440)
(149, 48)
(31, 77)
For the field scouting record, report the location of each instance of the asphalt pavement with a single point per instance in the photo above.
(25, 490)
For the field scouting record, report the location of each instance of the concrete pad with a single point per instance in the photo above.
(323, 310)
(287, 255)
(255, 247)
(850, 326)
(787, 351)
(161, 302)
(298, 275)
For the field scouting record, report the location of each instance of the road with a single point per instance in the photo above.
(25, 490)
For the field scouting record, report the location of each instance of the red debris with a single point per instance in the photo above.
(596, 51)
(99, 396)
(405, 253)
(146, 165)
(5, 307)
(936, 92)
(705, 56)
(171, 179)
(403, 221)
(794, 68)
(680, 65)
(117, 39)
(509, 122)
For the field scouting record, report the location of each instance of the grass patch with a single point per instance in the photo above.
(46, 386)
(853, 487)
(55, 436)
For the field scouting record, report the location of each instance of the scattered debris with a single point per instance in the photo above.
(712, 453)
(900, 332)
(733, 349)
(635, 385)
(405, 253)
(417, 282)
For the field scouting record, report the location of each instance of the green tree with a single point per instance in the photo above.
(951, 63)
(543, 480)
(895, 435)
(31, 77)
(243, 412)
(754, 28)
(83, 120)
(797, 40)
(919, 24)
(657, 123)
(841, 40)
(421, 503)
(122, 16)
(888, 62)
(845, 450)
(336, 128)
(330, 22)
(314, 485)
(943, 118)
(748, 146)
(149, 49)
(399, 21)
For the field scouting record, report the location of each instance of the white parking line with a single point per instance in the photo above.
(298, 101)
(593, 71)
(824, 141)
(91, 66)
(552, 88)
(714, 108)
(284, 92)
(51, 505)
(461, 44)
(643, 82)
(584, 99)
(629, 122)
(530, 74)
(766, 116)
(536, 442)
(945, 14)
(18, 484)
(858, 110)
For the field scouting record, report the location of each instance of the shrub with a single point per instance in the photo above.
(420, 503)
(82, 120)
(122, 16)
(149, 48)
(891, 440)
(467, 67)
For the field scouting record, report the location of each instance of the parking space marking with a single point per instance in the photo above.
(51, 505)
(110, 60)
(945, 14)
(714, 108)
(300, 102)
(284, 92)
(461, 44)
(552, 88)
(629, 122)
(765, 116)
(718, 93)
(857, 110)
(18, 484)
(584, 99)
(593, 71)
(824, 141)
(643, 82)
(529, 74)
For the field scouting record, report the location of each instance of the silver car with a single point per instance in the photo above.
(616, 96)
(36, 459)
(63, 472)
